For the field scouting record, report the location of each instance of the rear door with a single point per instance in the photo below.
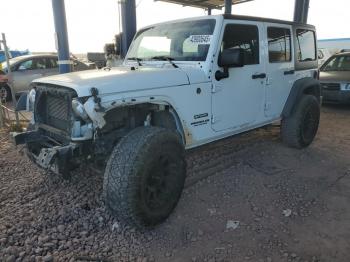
(280, 67)
(51, 66)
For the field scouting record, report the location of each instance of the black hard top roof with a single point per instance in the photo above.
(263, 19)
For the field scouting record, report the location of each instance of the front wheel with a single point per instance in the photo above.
(5, 93)
(145, 176)
(299, 129)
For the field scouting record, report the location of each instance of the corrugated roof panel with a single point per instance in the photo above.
(217, 4)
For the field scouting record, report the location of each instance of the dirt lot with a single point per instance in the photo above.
(280, 204)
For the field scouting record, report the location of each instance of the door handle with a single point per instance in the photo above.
(256, 76)
(290, 72)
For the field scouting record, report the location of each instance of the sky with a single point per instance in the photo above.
(92, 23)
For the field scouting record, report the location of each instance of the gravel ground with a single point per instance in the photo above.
(248, 198)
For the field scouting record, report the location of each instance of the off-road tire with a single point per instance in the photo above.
(145, 176)
(5, 89)
(300, 128)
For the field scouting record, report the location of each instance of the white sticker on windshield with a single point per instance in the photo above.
(201, 39)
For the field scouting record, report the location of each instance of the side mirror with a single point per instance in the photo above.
(233, 57)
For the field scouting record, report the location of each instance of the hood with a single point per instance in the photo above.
(335, 76)
(124, 79)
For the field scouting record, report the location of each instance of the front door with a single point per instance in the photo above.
(26, 72)
(238, 101)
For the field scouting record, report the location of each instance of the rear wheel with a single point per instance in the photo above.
(5, 93)
(299, 129)
(145, 176)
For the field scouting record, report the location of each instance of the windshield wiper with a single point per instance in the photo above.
(165, 58)
(138, 60)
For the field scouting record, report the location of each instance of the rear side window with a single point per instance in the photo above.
(279, 40)
(51, 62)
(306, 45)
(39, 63)
(245, 37)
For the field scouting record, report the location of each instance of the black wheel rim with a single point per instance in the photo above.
(309, 125)
(3, 93)
(159, 186)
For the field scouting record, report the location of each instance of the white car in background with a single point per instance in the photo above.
(25, 69)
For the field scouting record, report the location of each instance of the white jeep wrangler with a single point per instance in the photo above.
(183, 84)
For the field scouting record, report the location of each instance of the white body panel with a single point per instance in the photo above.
(230, 109)
(279, 81)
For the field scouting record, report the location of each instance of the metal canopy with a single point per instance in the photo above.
(207, 4)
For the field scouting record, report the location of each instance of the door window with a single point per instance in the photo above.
(26, 65)
(279, 40)
(39, 63)
(306, 46)
(51, 62)
(245, 37)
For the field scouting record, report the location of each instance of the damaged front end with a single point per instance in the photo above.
(60, 158)
(62, 138)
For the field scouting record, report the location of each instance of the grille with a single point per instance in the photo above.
(57, 112)
(53, 107)
(331, 86)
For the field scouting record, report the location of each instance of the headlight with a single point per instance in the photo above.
(31, 100)
(346, 86)
(79, 110)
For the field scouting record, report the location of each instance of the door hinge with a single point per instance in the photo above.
(268, 80)
(216, 88)
(267, 106)
(214, 119)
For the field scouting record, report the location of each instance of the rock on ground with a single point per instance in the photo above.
(251, 178)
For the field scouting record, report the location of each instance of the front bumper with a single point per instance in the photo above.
(48, 153)
(336, 96)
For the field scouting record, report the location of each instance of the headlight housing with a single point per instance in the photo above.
(31, 100)
(79, 110)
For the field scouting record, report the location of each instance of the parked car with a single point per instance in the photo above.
(29, 67)
(335, 79)
(13, 54)
(323, 55)
(183, 84)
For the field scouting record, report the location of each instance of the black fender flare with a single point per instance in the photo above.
(172, 114)
(307, 85)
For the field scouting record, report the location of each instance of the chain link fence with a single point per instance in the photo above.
(8, 117)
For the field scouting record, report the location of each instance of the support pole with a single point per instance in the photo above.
(209, 11)
(9, 77)
(301, 11)
(1, 115)
(128, 15)
(228, 7)
(59, 15)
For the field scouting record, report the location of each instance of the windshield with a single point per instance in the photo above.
(337, 63)
(182, 41)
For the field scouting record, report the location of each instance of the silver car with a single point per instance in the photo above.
(335, 79)
(29, 67)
